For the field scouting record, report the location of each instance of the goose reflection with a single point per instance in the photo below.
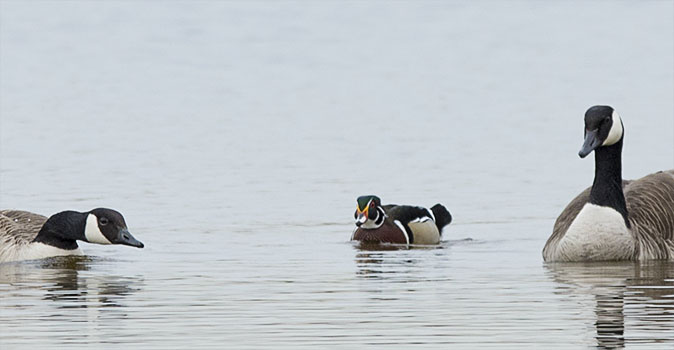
(640, 295)
(65, 280)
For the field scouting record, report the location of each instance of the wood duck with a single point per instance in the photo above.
(398, 224)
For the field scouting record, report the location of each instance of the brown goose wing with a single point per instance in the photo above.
(19, 227)
(650, 204)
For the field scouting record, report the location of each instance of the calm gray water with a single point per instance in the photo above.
(235, 137)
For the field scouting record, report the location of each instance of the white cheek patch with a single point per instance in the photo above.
(616, 131)
(92, 233)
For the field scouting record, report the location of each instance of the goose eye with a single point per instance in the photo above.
(103, 221)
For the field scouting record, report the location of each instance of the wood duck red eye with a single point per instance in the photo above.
(372, 205)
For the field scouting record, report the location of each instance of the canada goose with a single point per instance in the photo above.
(26, 236)
(400, 224)
(614, 219)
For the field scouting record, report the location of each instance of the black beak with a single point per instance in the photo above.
(591, 143)
(124, 237)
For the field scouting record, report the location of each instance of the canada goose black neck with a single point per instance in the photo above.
(62, 230)
(607, 190)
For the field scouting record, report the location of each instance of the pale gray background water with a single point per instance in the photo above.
(235, 137)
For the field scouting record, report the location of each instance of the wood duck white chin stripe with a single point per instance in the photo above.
(614, 219)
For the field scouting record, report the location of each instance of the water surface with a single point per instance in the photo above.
(235, 137)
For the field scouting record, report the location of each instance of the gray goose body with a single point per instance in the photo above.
(17, 230)
(650, 207)
(26, 236)
(615, 219)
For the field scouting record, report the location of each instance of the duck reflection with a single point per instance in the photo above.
(382, 261)
(637, 294)
(376, 264)
(66, 281)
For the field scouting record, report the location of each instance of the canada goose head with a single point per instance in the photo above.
(101, 226)
(107, 226)
(603, 127)
(367, 209)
